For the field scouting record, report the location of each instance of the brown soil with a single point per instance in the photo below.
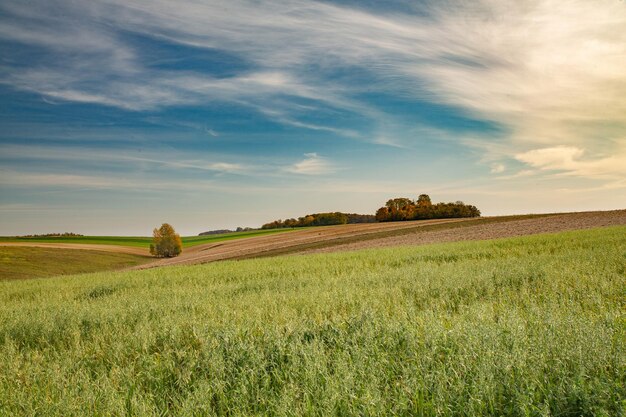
(495, 230)
(101, 248)
(370, 235)
(292, 241)
(375, 235)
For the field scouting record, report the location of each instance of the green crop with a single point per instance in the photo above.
(531, 326)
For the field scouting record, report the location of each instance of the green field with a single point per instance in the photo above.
(532, 326)
(22, 262)
(143, 242)
(188, 241)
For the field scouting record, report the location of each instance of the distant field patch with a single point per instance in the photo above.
(189, 241)
(25, 262)
(139, 241)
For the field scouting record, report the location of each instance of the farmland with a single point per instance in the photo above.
(360, 236)
(17, 262)
(529, 325)
(138, 241)
(301, 240)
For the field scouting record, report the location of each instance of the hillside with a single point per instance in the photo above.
(492, 228)
(85, 242)
(265, 243)
(522, 326)
(24, 262)
(358, 236)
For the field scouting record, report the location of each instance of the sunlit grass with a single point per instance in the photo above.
(25, 262)
(528, 326)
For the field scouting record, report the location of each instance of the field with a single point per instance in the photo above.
(25, 262)
(526, 326)
(376, 235)
(267, 243)
(142, 242)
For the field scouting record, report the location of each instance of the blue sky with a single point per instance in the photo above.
(116, 116)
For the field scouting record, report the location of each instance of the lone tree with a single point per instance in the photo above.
(166, 242)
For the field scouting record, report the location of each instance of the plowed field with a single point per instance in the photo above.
(360, 236)
(371, 235)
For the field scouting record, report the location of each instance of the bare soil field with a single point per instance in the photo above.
(492, 230)
(291, 242)
(130, 250)
(374, 235)
(362, 236)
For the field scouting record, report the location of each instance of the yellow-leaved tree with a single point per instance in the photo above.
(166, 242)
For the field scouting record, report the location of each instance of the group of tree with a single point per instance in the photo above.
(223, 231)
(66, 234)
(321, 219)
(399, 209)
(215, 232)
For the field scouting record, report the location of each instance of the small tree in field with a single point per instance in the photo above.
(166, 242)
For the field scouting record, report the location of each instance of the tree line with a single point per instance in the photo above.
(321, 219)
(66, 234)
(224, 231)
(399, 209)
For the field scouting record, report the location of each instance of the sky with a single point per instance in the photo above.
(118, 115)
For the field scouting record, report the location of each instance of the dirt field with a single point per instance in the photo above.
(100, 248)
(549, 224)
(360, 236)
(273, 244)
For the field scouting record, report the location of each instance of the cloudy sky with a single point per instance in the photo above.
(116, 116)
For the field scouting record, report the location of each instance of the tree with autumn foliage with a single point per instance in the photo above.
(321, 219)
(166, 242)
(399, 209)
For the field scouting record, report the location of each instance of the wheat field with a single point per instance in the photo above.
(531, 326)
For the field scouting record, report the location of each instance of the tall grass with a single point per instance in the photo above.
(530, 326)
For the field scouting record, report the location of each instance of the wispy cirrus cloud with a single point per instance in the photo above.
(49, 181)
(167, 158)
(519, 91)
(145, 167)
(312, 164)
(571, 160)
(531, 66)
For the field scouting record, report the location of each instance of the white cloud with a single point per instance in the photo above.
(560, 157)
(225, 167)
(497, 168)
(312, 164)
(162, 158)
(570, 160)
(51, 181)
(387, 141)
(550, 73)
(211, 132)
